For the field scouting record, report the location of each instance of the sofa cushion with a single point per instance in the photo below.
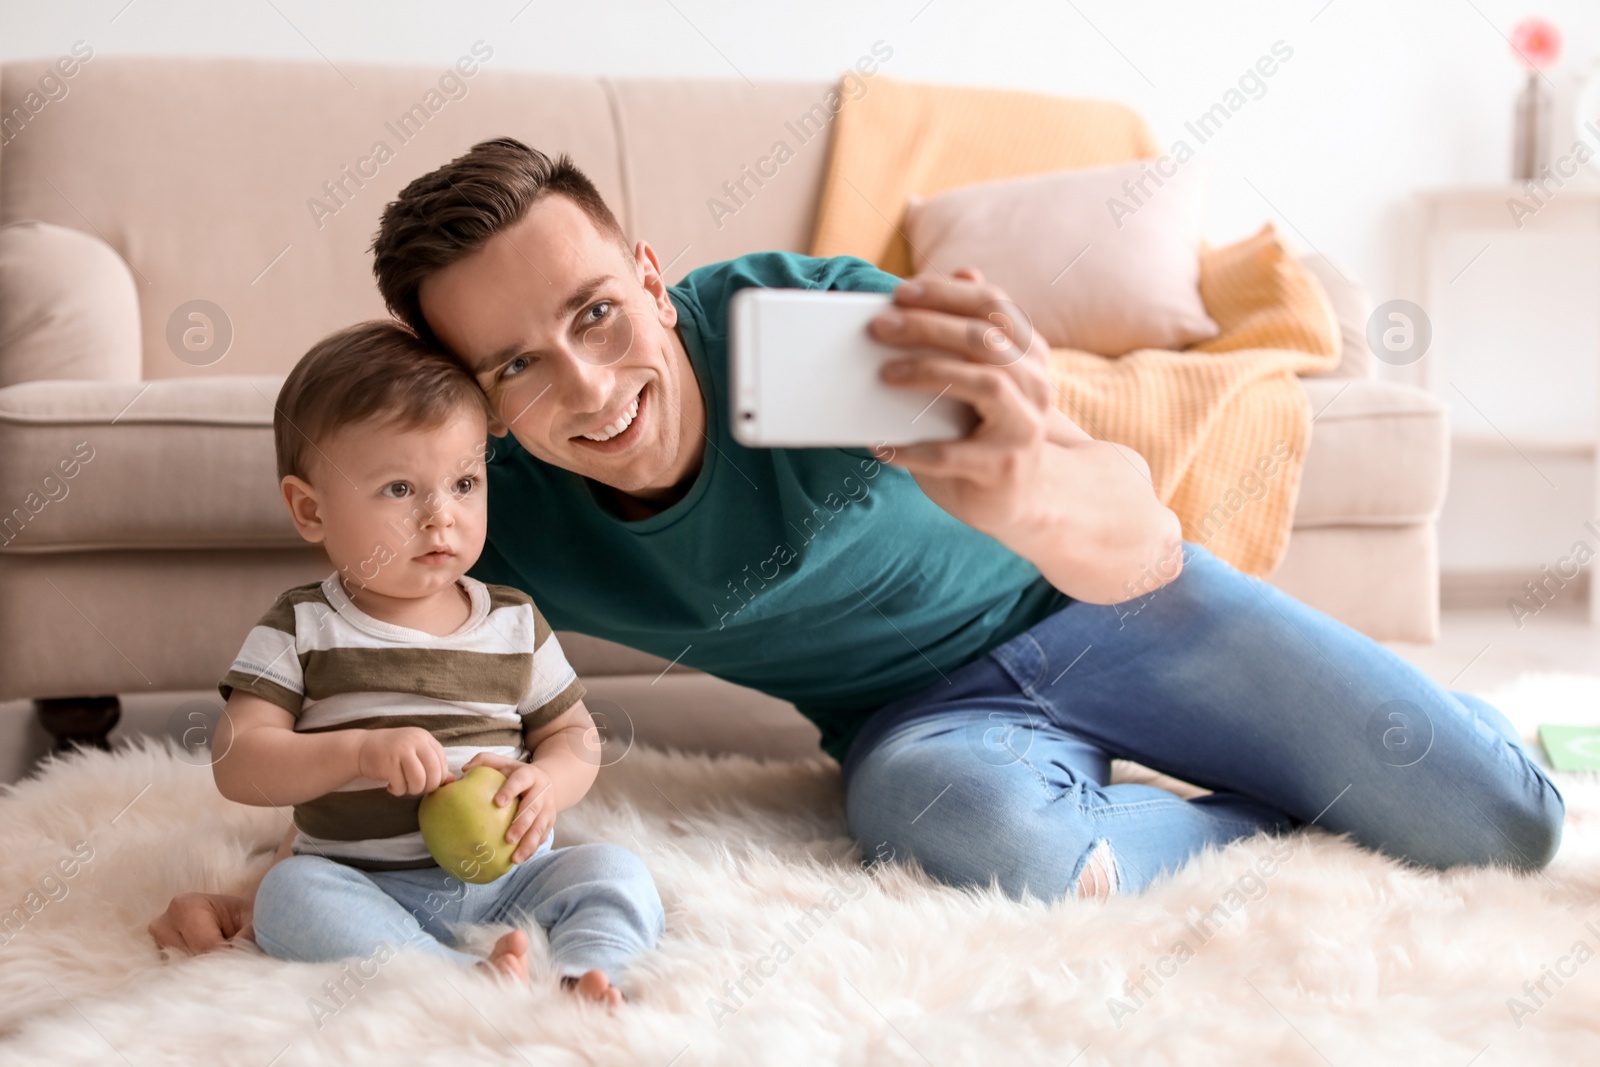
(1351, 306)
(1380, 580)
(69, 308)
(1088, 279)
(183, 462)
(1379, 455)
(1263, 296)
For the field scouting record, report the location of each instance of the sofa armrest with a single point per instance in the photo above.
(177, 463)
(68, 307)
(1351, 306)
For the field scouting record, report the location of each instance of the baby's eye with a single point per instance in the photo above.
(466, 484)
(515, 367)
(397, 490)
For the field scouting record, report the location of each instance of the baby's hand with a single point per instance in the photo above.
(536, 816)
(409, 758)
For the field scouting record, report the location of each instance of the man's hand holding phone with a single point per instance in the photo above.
(1082, 510)
(950, 374)
(976, 346)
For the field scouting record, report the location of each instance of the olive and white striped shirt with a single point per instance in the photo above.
(334, 667)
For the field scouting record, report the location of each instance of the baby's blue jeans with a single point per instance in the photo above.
(597, 902)
(1000, 772)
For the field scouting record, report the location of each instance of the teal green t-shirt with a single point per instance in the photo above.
(817, 575)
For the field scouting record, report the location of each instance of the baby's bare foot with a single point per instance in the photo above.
(596, 986)
(509, 959)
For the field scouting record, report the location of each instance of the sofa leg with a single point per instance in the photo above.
(85, 721)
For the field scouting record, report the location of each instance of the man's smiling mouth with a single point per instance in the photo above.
(619, 426)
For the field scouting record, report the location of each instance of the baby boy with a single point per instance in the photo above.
(355, 696)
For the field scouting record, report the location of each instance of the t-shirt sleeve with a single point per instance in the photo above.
(268, 666)
(553, 685)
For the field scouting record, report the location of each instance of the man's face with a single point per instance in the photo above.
(571, 338)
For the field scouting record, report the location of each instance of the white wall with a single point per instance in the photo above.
(1378, 99)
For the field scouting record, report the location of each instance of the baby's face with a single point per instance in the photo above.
(403, 511)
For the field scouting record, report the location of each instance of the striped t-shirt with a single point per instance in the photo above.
(334, 667)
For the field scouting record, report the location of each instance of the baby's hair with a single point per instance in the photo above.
(376, 371)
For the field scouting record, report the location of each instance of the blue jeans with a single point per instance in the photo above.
(1000, 773)
(597, 902)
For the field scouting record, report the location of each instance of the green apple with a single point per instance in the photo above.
(465, 830)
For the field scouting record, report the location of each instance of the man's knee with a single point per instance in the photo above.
(1492, 826)
(1515, 822)
(1535, 837)
(965, 822)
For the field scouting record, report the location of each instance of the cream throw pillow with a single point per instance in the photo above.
(1097, 261)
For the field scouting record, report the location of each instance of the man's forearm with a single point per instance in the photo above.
(271, 767)
(1099, 535)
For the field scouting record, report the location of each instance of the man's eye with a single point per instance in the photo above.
(397, 490)
(516, 366)
(598, 312)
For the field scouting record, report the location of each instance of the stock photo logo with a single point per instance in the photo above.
(52, 887)
(1540, 591)
(1251, 85)
(1145, 981)
(1536, 992)
(192, 725)
(1399, 332)
(1000, 334)
(452, 85)
(810, 125)
(199, 333)
(999, 740)
(609, 341)
(52, 489)
(611, 736)
(1400, 732)
(754, 974)
(51, 88)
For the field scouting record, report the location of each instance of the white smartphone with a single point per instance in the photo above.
(804, 374)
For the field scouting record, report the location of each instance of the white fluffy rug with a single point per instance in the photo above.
(1331, 955)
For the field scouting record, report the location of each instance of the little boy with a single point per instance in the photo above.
(355, 696)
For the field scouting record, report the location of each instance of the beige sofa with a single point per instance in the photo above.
(256, 187)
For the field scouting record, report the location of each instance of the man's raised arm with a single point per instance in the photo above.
(1081, 510)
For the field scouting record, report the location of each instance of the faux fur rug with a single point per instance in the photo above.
(781, 948)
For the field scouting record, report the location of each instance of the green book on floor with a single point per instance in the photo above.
(1571, 748)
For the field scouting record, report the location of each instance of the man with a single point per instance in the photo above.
(977, 627)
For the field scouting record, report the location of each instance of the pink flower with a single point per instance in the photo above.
(1536, 43)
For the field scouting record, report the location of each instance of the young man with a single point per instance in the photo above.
(977, 627)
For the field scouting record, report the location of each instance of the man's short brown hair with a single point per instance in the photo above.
(378, 371)
(447, 215)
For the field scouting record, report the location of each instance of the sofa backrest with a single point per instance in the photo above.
(257, 185)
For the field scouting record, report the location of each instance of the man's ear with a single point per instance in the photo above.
(649, 268)
(304, 508)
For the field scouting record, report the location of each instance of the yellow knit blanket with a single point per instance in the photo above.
(1224, 425)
